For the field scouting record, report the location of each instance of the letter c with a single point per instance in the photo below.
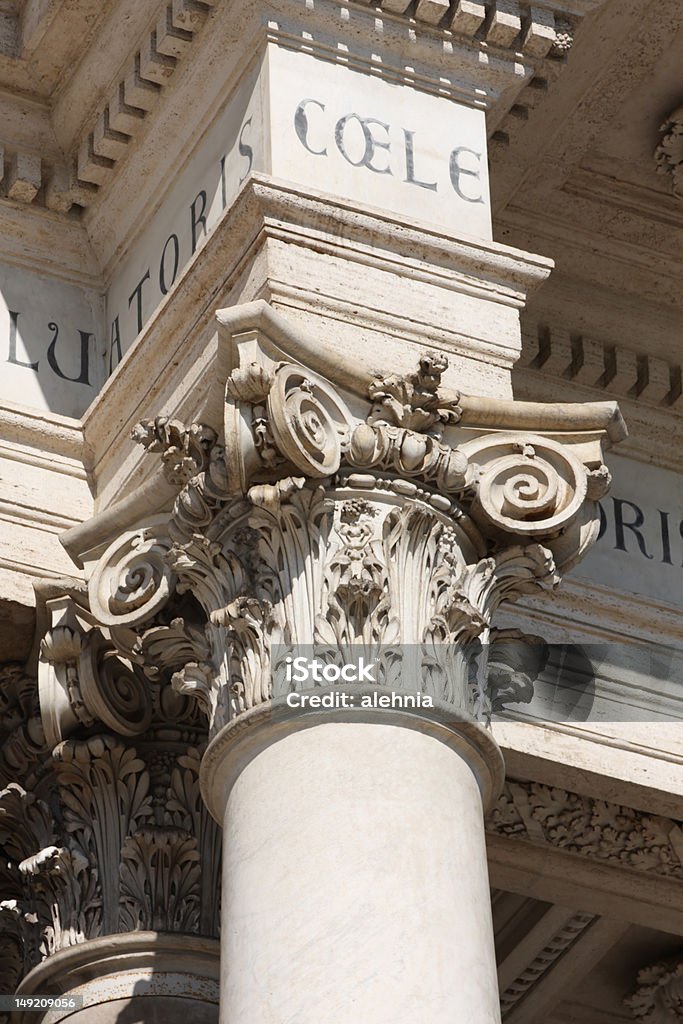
(301, 126)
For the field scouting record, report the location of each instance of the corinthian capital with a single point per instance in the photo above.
(346, 508)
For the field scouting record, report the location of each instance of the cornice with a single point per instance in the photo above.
(592, 182)
(544, 961)
(644, 775)
(598, 613)
(555, 350)
(44, 431)
(497, 43)
(621, 265)
(647, 423)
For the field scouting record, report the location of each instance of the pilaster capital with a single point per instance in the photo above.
(379, 511)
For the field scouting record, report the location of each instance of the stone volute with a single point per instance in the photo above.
(380, 514)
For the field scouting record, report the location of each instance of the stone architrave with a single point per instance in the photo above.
(374, 513)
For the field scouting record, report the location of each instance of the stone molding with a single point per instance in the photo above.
(117, 124)
(659, 996)
(137, 964)
(253, 731)
(587, 827)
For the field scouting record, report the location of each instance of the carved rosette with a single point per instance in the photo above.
(312, 525)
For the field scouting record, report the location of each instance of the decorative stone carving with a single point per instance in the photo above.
(659, 996)
(82, 680)
(529, 487)
(408, 454)
(98, 836)
(12, 949)
(130, 845)
(133, 579)
(564, 38)
(398, 524)
(413, 401)
(669, 153)
(22, 739)
(310, 525)
(515, 661)
(602, 831)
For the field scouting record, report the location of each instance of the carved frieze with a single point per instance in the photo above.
(583, 825)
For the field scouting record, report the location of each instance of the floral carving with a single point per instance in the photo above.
(119, 840)
(185, 451)
(23, 747)
(309, 524)
(593, 828)
(413, 401)
(659, 996)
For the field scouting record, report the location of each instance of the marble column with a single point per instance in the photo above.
(355, 884)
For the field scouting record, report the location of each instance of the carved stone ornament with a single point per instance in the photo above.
(583, 825)
(109, 838)
(98, 835)
(82, 680)
(659, 996)
(405, 522)
(669, 152)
